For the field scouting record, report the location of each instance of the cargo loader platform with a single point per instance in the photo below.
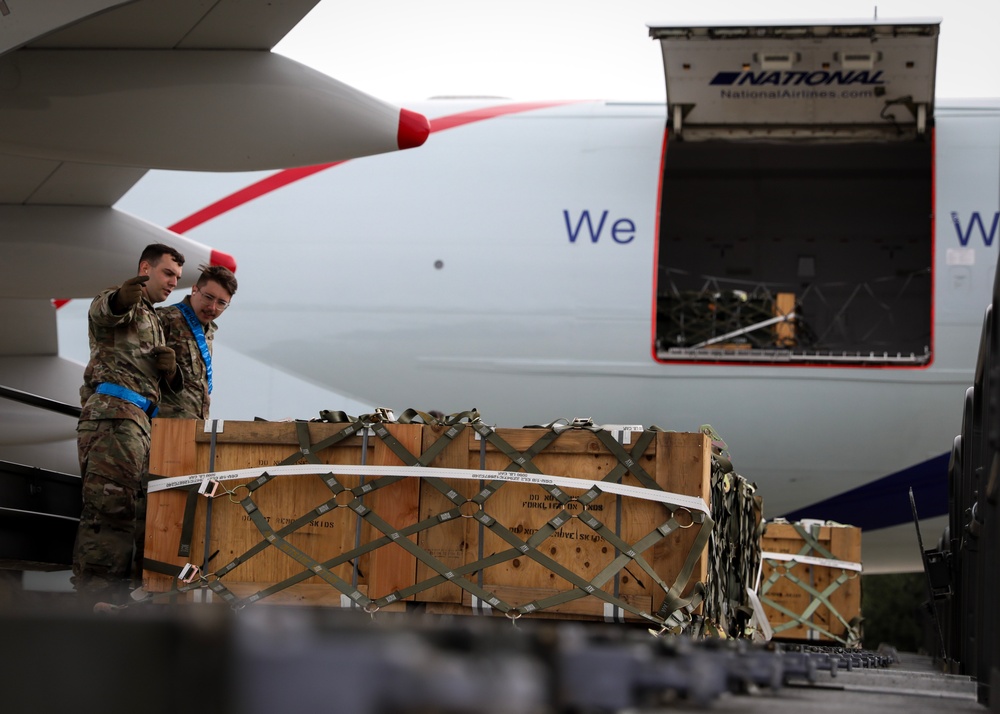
(293, 658)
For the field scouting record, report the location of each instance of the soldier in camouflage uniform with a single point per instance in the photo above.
(189, 328)
(129, 365)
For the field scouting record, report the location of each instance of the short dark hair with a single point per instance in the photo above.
(154, 251)
(220, 274)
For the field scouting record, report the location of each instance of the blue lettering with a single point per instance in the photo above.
(584, 217)
(622, 230)
(626, 226)
(863, 78)
(725, 78)
(976, 219)
(798, 77)
(761, 78)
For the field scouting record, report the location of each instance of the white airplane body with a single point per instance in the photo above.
(521, 262)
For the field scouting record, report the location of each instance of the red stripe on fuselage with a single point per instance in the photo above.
(245, 195)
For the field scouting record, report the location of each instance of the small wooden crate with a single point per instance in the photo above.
(784, 332)
(818, 596)
(679, 463)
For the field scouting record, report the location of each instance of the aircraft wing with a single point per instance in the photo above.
(93, 93)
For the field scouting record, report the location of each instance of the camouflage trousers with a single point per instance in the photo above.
(114, 460)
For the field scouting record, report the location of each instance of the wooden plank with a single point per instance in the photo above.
(281, 501)
(683, 465)
(275, 433)
(784, 332)
(303, 594)
(846, 599)
(392, 567)
(589, 608)
(446, 541)
(678, 463)
(172, 453)
(572, 441)
(524, 509)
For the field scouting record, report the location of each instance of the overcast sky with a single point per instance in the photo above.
(401, 50)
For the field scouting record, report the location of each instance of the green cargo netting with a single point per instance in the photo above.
(733, 548)
(730, 318)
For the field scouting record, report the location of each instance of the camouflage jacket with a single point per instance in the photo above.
(191, 402)
(121, 353)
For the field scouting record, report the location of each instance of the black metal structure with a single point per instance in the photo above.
(39, 512)
(970, 546)
(39, 509)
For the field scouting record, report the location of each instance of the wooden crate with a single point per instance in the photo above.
(678, 463)
(791, 590)
(784, 332)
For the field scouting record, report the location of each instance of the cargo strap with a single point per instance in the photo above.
(190, 507)
(187, 525)
(158, 566)
(673, 614)
(851, 636)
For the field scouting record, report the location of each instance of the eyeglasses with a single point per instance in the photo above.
(218, 302)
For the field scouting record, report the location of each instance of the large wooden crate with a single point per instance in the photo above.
(572, 557)
(816, 595)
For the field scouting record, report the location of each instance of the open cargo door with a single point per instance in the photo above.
(796, 213)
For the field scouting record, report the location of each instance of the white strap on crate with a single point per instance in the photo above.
(812, 560)
(691, 503)
(760, 616)
(613, 613)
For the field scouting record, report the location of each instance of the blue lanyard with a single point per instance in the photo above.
(199, 336)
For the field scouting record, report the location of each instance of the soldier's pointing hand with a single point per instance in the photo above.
(129, 294)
